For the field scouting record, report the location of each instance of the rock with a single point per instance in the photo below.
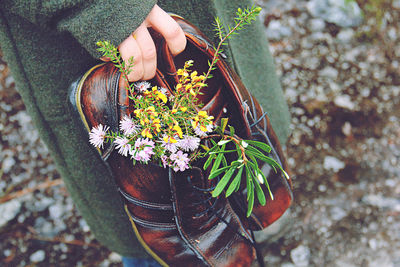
(382, 202)
(39, 205)
(332, 163)
(329, 72)
(340, 12)
(56, 211)
(346, 128)
(317, 25)
(114, 257)
(38, 256)
(344, 101)
(8, 211)
(276, 30)
(345, 35)
(301, 256)
(7, 164)
(84, 226)
(337, 213)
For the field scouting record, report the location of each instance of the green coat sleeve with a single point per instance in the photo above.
(87, 21)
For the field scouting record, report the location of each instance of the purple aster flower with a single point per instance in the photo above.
(164, 160)
(128, 126)
(189, 143)
(143, 150)
(163, 90)
(122, 145)
(97, 135)
(142, 86)
(180, 161)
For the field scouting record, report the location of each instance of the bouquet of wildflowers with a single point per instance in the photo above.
(168, 127)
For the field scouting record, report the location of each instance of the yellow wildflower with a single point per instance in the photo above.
(193, 74)
(162, 97)
(146, 133)
(169, 139)
(178, 130)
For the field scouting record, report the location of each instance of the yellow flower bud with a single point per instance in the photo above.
(202, 113)
(194, 74)
(178, 130)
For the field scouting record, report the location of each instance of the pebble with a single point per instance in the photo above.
(382, 202)
(38, 256)
(346, 128)
(56, 211)
(345, 35)
(39, 205)
(114, 257)
(329, 72)
(344, 101)
(7, 164)
(317, 25)
(301, 256)
(332, 163)
(9, 211)
(341, 12)
(277, 31)
(337, 213)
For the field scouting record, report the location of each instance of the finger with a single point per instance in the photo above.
(148, 49)
(168, 28)
(130, 48)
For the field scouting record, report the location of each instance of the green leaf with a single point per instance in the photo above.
(218, 160)
(225, 151)
(223, 182)
(260, 193)
(267, 185)
(224, 123)
(235, 182)
(217, 172)
(261, 145)
(267, 159)
(251, 201)
(231, 130)
(248, 181)
(206, 148)
(208, 162)
(224, 162)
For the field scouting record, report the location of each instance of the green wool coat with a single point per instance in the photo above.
(49, 43)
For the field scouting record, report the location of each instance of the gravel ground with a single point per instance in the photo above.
(342, 81)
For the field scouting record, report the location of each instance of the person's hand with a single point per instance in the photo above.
(140, 45)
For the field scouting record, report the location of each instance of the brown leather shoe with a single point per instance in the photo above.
(227, 97)
(172, 214)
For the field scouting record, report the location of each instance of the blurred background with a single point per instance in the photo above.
(339, 63)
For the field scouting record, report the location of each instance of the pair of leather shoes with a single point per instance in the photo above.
(172, 213)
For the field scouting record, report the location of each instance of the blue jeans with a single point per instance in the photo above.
(134, 262)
